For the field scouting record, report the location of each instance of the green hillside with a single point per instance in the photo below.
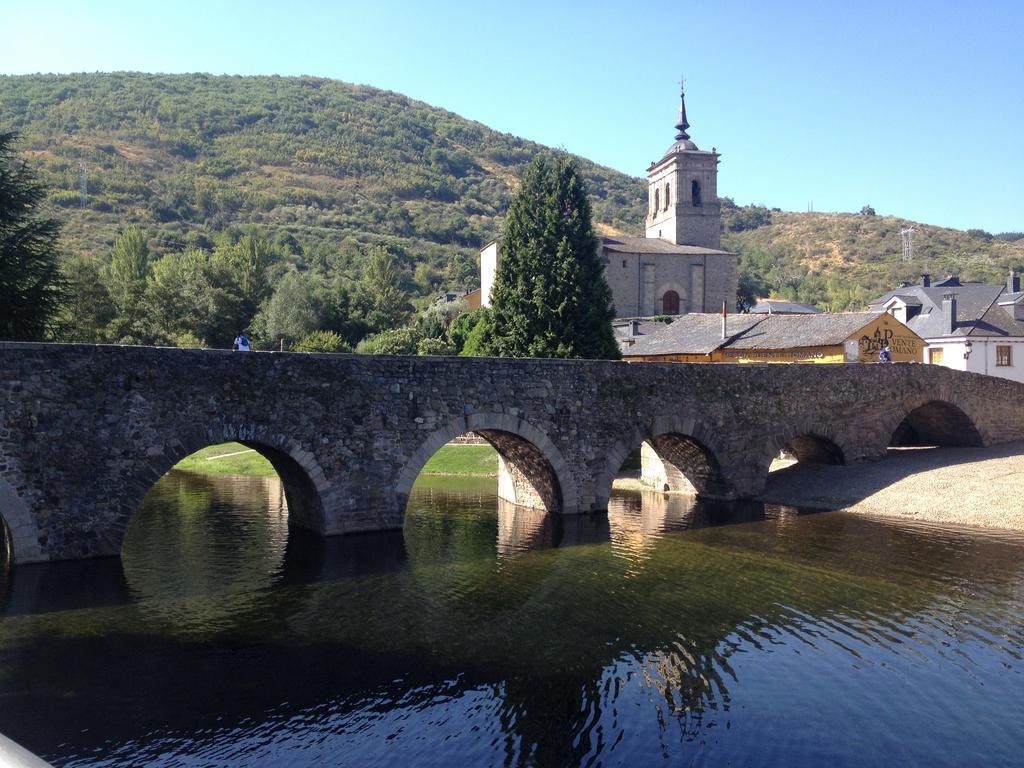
(286, 205)
(841, 260)
(321, 167)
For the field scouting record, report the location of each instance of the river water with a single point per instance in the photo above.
(662, 633)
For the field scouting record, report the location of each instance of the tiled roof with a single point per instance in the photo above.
(907, 299)
(692, 334)
(624, 328)
(701, 334)
(977, 310)
(656, 245)
(771, 306)
(794, 331)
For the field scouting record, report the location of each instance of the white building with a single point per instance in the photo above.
(968, 326)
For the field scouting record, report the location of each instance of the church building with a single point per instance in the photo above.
(678, 266)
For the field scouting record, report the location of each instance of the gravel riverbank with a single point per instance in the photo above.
(963, 486)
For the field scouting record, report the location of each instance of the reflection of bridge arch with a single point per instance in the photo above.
(531, 470)
(302, 478)
(928, 420)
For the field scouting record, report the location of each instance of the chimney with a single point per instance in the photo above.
(926, 281)
(1013, 282)
(949, 310)
(634, 327)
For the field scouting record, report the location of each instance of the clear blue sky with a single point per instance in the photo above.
(913, 107)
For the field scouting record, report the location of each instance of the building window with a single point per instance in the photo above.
(657, 202)
(695, 193)
(935, 356)
(1004, 356)
(670, 303)
(668, 195)
(623, 263)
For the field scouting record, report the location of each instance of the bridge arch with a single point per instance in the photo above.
(811, 444)
(21, 532)
(531, 473)
(677, 455)
(301, 476)
(929, 420)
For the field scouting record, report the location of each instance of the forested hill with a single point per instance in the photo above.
(323, 170)
(840, 261)
(320, 167)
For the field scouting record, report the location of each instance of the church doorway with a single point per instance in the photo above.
(670, 303)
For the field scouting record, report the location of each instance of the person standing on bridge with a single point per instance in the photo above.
(884, 355)
(241, 343)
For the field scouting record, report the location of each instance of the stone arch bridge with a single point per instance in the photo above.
(85, 431)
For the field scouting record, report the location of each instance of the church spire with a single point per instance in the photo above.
(682, 125)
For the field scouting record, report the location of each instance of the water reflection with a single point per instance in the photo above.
(202, 549)
(489, 634)
(523, 529)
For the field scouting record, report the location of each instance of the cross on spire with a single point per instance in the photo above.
(682, 125)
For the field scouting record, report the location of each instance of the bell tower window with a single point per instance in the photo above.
(668, 195)
(657, 202)
(695, 193)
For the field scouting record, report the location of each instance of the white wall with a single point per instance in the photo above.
(983, 356)
(488, 268)
(986, 360)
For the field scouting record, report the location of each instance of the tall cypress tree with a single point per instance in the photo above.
(30, 277)
(550, 298)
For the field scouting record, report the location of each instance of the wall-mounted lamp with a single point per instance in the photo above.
(967, 348)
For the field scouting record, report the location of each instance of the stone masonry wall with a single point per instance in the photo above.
(86, 430)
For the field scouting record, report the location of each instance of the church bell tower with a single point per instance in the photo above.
(682, 205)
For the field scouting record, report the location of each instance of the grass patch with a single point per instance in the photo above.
(468, 460)
(480, 485)
(236, 459)
(226, 459)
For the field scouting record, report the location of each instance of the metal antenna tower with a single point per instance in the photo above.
(907, 233)
(83, 184)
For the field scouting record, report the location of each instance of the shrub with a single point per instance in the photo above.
(65, 198)
(434, 346)
(395, 341)
(322, 341)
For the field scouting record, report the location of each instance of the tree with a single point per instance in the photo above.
(463, 325)
(293, 312)
(385, 304)
(30, 277)
(437, 318)
(129, 262)
(183, 305)
(478, 340)
(339, 313)
(87, 307)
(550, 298)
(129, 266)
(245, 264)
